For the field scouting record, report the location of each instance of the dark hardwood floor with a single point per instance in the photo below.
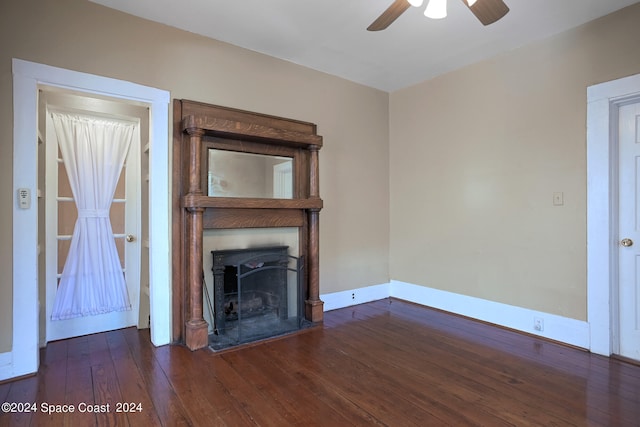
(383, 363)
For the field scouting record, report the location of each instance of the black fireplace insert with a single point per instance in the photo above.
(257, 294)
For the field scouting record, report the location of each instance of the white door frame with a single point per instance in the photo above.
(26, 78)
(603, 102)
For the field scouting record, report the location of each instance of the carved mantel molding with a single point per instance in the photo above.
(198, 127)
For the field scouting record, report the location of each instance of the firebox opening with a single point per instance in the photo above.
(257, 294)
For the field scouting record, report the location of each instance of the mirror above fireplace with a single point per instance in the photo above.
(250, 175)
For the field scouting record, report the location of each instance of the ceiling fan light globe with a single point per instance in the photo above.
(436, 9)
(416, 3)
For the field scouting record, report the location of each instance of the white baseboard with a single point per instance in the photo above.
(557, 328)
(354, 296)
(6, 366)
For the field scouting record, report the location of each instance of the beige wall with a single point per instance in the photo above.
(353, 119)
(476, 156)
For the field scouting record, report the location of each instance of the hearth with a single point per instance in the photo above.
(257, 294)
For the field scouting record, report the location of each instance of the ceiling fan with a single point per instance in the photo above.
(487, 11)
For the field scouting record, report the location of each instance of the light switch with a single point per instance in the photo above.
(558, 198)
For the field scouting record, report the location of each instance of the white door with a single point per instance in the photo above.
(60, 216)
(629, 231)
(283, 180)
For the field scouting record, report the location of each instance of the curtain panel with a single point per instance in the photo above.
(93, 151)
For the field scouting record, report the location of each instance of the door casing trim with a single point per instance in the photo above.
(26, 78)
(603, 102)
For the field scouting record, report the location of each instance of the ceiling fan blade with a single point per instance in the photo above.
(488, 11)
(392, 13)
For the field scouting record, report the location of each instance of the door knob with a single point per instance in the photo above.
(626, 242)
(130, 238)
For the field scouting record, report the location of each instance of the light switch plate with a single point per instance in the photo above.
(558, 198)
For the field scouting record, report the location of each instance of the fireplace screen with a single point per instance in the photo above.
(256, 295)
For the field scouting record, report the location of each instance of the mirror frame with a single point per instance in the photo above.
(299, 190)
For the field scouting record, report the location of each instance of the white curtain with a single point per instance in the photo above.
(93, 151)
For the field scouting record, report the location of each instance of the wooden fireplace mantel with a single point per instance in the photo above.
(198, 127)
(234, 129)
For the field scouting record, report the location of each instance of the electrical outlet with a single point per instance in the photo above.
(538, 324)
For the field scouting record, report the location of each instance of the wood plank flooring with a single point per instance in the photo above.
(385, 363)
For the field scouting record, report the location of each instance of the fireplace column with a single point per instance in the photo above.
(196, 327)
(313, 305)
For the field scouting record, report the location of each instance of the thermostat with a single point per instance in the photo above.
(24, 198)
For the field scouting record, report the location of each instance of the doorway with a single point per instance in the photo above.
(58, 213)
(606, 282)
(27, 78)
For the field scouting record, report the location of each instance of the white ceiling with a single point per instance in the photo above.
(331, 36)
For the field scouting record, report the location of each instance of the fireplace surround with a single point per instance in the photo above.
(199, 128)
